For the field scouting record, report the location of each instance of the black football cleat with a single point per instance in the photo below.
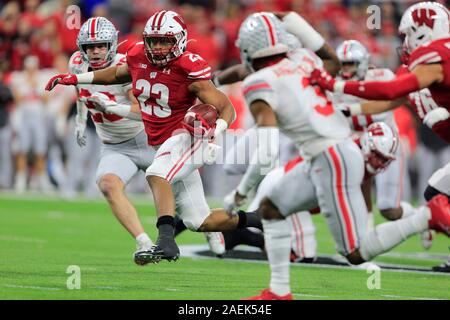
(165, 249)
(144, 257)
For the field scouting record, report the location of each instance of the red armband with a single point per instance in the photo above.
(383, 90)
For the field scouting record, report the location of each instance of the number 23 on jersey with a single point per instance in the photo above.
(161, 94)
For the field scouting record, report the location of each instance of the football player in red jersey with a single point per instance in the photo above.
(425, 27)
(167, 80)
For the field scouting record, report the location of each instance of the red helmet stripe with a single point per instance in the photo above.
(155, 17)
(93, 27)
(163, 13)
(269, 26)
(180, 21)
(345, 49)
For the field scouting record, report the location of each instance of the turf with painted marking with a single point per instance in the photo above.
(40, 238)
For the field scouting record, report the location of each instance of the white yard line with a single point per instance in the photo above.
(416, 255)
(309, 295)
(21, 239)
(190, 251)
(406, 297)
(32, 287)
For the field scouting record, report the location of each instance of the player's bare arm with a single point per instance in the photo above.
(311, 39)
(330, 60)
(231, 75)
(135, 109)
(208, 93)
(112, 75)
(263, 114)
(375, 107)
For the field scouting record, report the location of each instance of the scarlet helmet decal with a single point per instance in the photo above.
(424, 17)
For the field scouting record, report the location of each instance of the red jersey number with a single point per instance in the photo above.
(161, 94)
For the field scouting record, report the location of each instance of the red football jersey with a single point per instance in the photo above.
(437, 95)
(437, 51)
(163, 93)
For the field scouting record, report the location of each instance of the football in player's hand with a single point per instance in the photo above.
(200, 119)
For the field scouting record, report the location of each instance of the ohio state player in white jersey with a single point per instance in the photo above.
(279, 94)
(355, 60)
(124, 149)
(237, 197)
(167, 80)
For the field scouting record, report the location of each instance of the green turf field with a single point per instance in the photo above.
(41, 237)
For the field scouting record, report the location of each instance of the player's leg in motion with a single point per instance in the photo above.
(284, 199)
(389, 188)
(342, 203)
(439, 184)
(303, 240)
(216, 240)
(174, 180)
(115, 170)
(24, 136)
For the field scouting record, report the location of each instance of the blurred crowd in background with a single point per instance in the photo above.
(37, 146)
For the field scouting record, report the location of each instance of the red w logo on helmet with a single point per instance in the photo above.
(424, 17)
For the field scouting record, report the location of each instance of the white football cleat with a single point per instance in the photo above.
(216, 242)
(141, 255)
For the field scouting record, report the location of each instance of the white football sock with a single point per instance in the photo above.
(387, 235)
(144, 239)
(20, 182)
(277, 237)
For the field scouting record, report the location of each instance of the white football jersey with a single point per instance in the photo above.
(110, 128)
(358, 123)
(303, 112)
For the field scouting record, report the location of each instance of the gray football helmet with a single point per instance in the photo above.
(98, 30)
(354, 51)
(261, 35)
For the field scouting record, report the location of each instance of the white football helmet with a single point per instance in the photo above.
(165, 26)
(261, 35)
(379, 145)
(353, 51)
(424, 22)
(98, 30)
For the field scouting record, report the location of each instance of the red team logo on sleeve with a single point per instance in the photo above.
(76, 59)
